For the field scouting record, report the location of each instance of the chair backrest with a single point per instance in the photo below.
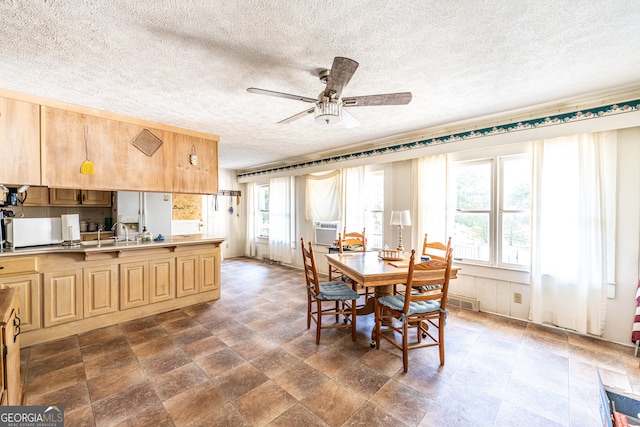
(310, 270)
(352, 239)
(439, 272)
(436, 250)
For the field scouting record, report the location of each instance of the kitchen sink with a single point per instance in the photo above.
(104, 242)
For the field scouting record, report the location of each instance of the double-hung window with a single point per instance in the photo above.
(492, 199)
(374, 207)
(262, 211)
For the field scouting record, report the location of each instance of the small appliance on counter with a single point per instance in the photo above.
(5, 214)
(23, 232)
(70, 225)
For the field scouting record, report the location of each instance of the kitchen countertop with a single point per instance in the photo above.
(107, 245)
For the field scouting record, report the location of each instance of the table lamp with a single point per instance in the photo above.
(400, 218)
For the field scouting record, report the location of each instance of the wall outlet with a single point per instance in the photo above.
(517, 297)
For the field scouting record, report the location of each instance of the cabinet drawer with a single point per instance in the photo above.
(16, 265)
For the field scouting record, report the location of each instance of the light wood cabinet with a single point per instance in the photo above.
(100, 290)
(118, 163)
(198, 273)
(62, 297)
(210, 271)
(19, 142)
(134, 284)
(70, 292)
(72, 197)
(28, 286)
(36, 196)
(188, 275)
(162, 278)
(11, 328)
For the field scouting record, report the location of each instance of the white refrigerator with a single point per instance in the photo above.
(138, 210)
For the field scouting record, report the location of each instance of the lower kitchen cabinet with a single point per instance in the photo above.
(10, 356)
(162, 279)
(187, 275)
(62, 297)
(28, 286)
(210, 271)
(134, 284)
(100, 290)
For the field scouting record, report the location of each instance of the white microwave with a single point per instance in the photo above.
(23, 232)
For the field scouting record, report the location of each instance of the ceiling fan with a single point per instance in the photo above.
(329, 107)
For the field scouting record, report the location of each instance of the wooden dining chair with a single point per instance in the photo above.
(435, 250)
(415, 309)
(339, 297)
(353, 240)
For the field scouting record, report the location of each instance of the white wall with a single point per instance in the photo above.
(494, 288)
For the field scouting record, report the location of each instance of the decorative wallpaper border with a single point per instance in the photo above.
(586, 114)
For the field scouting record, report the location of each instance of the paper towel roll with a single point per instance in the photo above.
(70, 227)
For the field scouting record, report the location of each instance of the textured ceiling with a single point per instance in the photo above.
(188, 63)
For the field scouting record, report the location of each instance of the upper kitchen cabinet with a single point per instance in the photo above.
(19, 142)
(127, 154)
(70, 197)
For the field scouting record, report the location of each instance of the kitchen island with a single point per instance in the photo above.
(67, 290)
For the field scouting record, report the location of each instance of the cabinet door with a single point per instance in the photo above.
(64, 197)
(62, 297)
(209, 270)
(19, 142)
(11, 339)
(95, 198)
(29, 298)
(134, 284)
(162, 279)
(37, 196)
(188, 279)
(100, 290)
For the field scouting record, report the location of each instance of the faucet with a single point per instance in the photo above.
(126, 230)
(99, 231)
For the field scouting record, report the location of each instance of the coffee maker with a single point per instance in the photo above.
(4, 214)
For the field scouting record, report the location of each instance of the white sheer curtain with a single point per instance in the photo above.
(323, 194)
(353, 216)
(280, 219)
(573, 230)
(250, 244)
(429, 199)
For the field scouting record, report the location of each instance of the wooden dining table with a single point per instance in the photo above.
(369, 270)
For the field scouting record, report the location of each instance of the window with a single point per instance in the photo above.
(374, 207)
(262, 212)
(492, 211)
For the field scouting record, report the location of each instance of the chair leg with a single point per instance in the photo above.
(378, 315)
(309, 311)
(353, 319)
(319, 322)
(441, 337)
(405, 346)
(337, 309)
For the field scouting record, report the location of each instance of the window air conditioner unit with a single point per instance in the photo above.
(326, 232)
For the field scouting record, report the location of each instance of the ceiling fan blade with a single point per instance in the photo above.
(401, 98)
(341, 72)
(348, 120)
(297, 116)
(280, 94)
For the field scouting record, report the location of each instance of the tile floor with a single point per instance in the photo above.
(248, 360)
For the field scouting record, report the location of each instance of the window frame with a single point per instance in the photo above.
(259, 222)
(497, 157)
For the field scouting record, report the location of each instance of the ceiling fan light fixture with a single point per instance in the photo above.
(328, 112)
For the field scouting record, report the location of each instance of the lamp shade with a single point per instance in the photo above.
(400, 218)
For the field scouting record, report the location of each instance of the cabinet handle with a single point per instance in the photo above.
(16, 325)
(1, 267)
